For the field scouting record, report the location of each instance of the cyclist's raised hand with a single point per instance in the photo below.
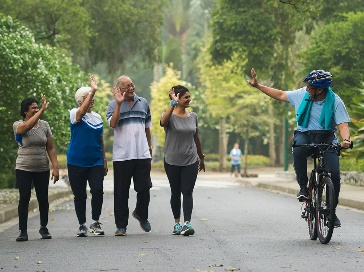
(254, 82)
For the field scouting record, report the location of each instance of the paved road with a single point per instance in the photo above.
(238, 228)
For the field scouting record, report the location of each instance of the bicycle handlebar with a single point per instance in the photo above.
(333, 146)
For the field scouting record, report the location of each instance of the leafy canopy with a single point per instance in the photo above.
(29, 69)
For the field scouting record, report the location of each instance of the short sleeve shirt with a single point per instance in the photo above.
(180, 147)
(85, 148)
(237, 154)
(32, 151)
(340, 113)
(130, 140)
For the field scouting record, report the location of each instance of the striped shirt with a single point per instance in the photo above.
(130, 140)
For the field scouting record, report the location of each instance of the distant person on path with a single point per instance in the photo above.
(235, 156)
(35, 141)
(130, 117)
(183, 156)
(319, 112)
(86, 159)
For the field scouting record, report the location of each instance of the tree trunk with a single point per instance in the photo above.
(157, 72)
(222, 144)
(272, 144)
(246, 146)
(281, 143)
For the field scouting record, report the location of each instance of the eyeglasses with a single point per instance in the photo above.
(131, 85)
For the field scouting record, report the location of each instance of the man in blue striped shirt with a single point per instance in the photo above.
(130, 117)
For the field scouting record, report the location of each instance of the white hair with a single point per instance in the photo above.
(80, 93)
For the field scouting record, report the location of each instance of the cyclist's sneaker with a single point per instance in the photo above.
(337, 222)
(82, 231)
(120, 232)
(95, 228)
(187, 229)
(144, 224)
(302, 195)
(45, 233)
(177, 229)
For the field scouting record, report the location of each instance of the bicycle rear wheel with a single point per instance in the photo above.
(325, 210)
(311, 217)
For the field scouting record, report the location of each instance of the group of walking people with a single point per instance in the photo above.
(129, 115)
(320, 112)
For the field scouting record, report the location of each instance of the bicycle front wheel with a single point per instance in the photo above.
(311, 210)
(325, 210)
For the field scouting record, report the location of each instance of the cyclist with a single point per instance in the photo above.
(319, 112)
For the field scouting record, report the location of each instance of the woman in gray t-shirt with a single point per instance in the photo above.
(35, 141)
(183, 156)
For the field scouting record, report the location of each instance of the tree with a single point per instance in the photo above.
(177, 20)
(65, 24)
(31, 69)
(95, 31)
(243, 28)
(124, 29)
(251, 113)
(337, 47)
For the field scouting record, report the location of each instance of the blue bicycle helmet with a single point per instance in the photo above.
(318, 78)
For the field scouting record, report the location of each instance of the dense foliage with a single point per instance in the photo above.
(29, 69)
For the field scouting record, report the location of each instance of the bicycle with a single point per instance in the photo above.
(319, 209)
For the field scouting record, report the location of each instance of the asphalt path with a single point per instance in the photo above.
(238, 228)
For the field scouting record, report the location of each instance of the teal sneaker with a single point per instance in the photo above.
(187, 229)
(144, 224)
(177, 229)
(120, 232)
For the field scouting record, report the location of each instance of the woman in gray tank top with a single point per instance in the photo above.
(183, 156)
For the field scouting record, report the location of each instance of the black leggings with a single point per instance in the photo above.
(78, 177)
(24, 180)
(182, 179)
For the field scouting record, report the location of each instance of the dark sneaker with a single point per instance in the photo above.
(302, 195)
(337, 223)
(187, 229)
(82, 231)
(120, 232)
(177, 229)
(23, 236)
(95, 228)
(45, 233)
(144, 224)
